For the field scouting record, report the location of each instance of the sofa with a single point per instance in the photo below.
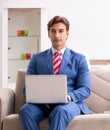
(99, 102)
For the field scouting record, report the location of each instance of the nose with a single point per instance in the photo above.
(57, 34)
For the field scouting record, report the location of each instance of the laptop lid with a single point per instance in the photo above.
(46, 88)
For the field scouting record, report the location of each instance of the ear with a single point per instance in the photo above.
(48, 34)
(67, 33)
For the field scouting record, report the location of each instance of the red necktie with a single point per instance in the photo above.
(56, 62)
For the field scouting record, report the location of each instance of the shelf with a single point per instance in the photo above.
(25, 36)
(18, 46)
(20, 59)
(23, 39)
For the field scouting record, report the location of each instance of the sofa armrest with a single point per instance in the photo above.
(6, 102)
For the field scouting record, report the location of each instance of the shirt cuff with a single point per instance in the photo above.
(68, 98)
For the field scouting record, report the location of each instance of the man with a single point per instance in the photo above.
(74, 65)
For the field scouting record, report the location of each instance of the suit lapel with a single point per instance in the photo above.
(66, 61)
(49, 61)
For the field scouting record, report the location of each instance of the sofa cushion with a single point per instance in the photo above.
(90, 122)
(12, 122)
(99, 100)
(19, 97)
(81, 122)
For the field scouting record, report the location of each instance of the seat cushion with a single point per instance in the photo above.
(12, 122)
(90, 122)
(81, 122)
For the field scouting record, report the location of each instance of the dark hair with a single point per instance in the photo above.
(58, 19)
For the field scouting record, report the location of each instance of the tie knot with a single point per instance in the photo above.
(57, 53)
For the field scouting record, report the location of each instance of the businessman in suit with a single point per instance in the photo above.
(74, 65)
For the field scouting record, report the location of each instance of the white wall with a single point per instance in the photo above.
(0, 46)
(89, 19)
(89, 23)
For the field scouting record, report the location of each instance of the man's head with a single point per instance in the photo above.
(58, 29)
(58, 19)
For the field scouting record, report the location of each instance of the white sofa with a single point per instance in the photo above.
(98, 102)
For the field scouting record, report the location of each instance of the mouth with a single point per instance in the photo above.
(57, 40)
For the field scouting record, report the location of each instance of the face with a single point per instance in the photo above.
(58, 35)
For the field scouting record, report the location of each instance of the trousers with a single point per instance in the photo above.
(59, 115)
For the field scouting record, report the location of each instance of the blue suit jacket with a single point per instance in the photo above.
(74, 65)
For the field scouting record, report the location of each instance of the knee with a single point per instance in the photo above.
(26, 110)
(58, 111)
(23, 110)
(30, 111)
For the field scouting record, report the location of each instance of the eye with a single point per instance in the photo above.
(53, 31)
(61, 31)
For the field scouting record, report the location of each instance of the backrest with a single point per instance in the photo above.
(19, 98)
(99, 100)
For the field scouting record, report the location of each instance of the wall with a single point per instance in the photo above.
(89, 23)
(0, 47)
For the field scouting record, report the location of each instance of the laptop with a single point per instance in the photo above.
(46, 88)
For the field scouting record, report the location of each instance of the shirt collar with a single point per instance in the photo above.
(62, 50)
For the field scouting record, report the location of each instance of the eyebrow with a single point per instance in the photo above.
(56, 29)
